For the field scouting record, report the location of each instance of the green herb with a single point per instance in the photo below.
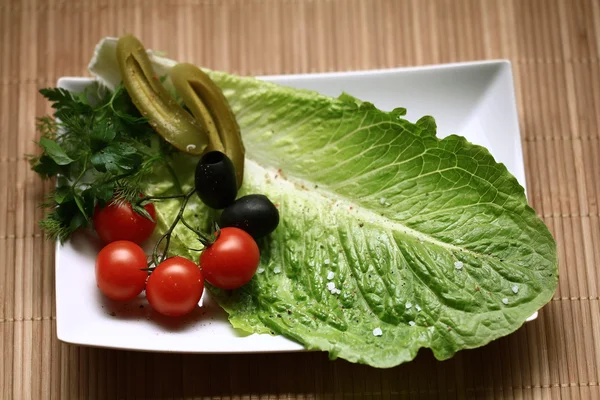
(99, 147)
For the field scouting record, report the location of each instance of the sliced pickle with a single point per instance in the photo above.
(210, 107)
(167, 117)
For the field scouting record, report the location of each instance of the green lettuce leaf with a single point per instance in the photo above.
(384, 227)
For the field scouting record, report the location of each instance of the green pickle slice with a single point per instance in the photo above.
(167, 117)
(208, 104)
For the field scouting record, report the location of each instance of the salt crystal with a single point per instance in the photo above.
(277, 270)
(505, 300)
(411, 323)
(515, 289)
(377, 332)
(330, 275)
(458, 265)
(408, 305)
(418, 308)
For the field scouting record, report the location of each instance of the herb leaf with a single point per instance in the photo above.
(63, 194)
(54, 151)
(102, 133)
(44, 166)
(62, 99)
(117, 158)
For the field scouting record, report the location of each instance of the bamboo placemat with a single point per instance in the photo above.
(554, 46)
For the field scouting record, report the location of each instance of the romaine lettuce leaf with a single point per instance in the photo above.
(383, 226)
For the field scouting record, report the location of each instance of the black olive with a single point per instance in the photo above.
(254, 214)
(215, 180)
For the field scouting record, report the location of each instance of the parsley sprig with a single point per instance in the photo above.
(98, 147)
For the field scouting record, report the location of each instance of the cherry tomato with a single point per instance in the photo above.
(119, 274)
(231, 261)
(118, 221)
(175, 287)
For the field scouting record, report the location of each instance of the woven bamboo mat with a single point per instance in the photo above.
(554, 46)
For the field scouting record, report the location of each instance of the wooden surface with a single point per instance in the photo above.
(554, 46)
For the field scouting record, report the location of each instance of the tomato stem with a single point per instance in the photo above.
(167, 235)
(175, 178)
(192, 249)
(205, 240)
(147, 199)
(190, 227)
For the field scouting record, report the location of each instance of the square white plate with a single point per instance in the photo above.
(475, 100)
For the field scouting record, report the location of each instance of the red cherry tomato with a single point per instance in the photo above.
(119, 274)
(175, 287)
(231, 261)
(118, 221)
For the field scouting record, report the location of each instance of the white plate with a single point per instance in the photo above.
(475, 100)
